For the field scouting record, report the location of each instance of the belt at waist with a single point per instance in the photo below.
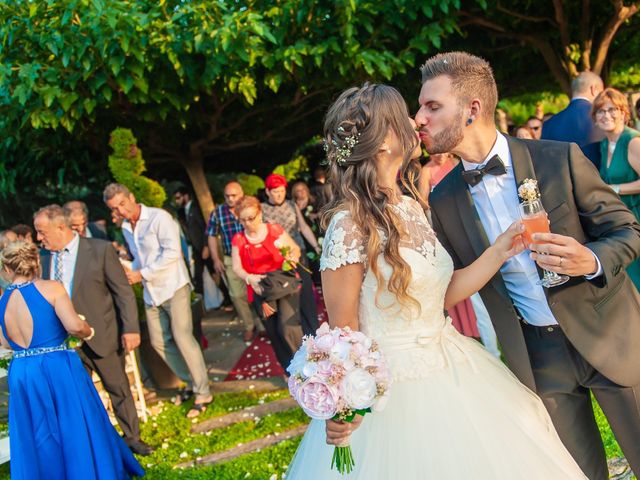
(30, 352)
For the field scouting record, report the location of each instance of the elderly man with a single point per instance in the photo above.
(224, 223)
(78, 215)
(91, 273)
(153, 237)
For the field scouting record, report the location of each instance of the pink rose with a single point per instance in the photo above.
(317, 399)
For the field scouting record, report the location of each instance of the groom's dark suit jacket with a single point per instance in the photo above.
(600, 317)
(101, 292)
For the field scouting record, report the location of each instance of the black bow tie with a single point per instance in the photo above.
(493, 167)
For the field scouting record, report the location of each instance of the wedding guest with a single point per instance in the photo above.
(223, 225)
(23, 232)
(255, 252)
(535, 125)
(59, 427)
(194, 228)
(153, 237)
(573, 124)
(92, 276)
(620, 153)
(306, 202)
(523, 132)
(321, 190)
(78, 214)
(277, 209)
(6, 237)
(436, 168)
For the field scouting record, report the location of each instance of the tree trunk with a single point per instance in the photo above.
(193, 164)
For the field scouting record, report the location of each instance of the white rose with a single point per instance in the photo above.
(298, 361)
(341, 350)
(359, 389)
(309, 369)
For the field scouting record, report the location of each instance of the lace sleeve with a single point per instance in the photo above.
(343, 243)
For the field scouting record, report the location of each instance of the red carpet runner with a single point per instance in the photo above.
(259, 361)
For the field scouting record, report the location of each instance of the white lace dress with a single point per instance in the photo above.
(454, 411)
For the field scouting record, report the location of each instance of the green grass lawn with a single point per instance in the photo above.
(169, 432)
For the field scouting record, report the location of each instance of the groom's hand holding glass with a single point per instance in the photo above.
(564, 255)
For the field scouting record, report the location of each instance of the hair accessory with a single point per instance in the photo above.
(343, 152)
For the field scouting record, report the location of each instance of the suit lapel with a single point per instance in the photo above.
(84, 254)
(468, 214)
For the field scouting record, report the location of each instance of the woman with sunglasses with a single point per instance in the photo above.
(255, 252)
(620, 151)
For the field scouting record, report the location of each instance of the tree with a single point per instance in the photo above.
(571, 36)
(198, 79)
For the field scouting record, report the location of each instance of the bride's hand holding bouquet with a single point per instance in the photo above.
(339, 375)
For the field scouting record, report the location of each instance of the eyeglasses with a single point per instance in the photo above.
(613, 112)
(247, 219)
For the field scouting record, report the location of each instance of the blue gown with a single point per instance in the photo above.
(58, 427)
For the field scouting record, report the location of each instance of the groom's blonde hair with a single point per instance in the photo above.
(471, 77)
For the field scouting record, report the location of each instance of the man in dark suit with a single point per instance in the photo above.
(91, 273)
(562, 342)
(194, 226)
(574, 123)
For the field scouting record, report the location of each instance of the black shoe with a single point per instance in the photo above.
(139, 447)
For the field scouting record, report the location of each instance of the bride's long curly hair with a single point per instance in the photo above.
(369, 113)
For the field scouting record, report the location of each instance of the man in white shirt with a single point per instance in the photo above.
(153, 237)
(563, 342)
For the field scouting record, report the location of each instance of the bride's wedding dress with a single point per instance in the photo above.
(454, 411)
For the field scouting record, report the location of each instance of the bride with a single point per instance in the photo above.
(454, 411)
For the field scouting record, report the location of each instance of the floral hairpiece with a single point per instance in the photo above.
(343, 152)
(528, 190)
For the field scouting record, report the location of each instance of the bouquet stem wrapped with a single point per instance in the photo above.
(338, 374)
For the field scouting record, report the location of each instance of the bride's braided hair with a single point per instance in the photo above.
(367, 114)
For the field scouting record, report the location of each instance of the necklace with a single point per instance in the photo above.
(19, 285)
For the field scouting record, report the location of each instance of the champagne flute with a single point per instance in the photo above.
(535, 220)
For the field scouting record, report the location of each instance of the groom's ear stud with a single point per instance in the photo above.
(469, 121)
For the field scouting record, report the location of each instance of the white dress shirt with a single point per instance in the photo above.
(497, 203)
(69, 256)
(155, 246)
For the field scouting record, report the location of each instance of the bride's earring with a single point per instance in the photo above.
(388, 150)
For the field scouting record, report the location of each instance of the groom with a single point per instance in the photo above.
(563, 342)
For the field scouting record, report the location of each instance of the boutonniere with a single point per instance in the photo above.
(528, 190)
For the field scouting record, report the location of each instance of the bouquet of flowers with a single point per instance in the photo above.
(337, 375)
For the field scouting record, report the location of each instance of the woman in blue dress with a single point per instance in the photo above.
(58, 427)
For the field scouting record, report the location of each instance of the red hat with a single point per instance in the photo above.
(275, 180)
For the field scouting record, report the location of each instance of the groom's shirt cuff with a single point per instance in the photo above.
(599, 271)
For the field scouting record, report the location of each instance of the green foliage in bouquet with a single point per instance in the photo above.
(127, 166)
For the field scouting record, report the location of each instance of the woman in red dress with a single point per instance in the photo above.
(255, 252)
